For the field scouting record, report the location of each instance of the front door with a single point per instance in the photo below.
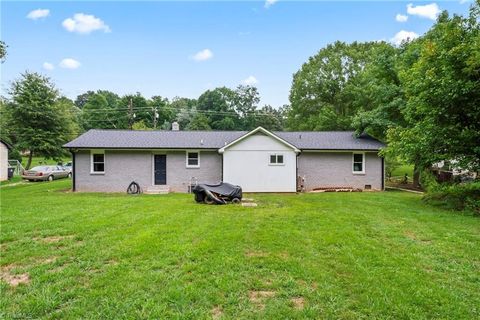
(160, 169)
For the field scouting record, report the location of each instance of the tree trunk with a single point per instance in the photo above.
(29, 162)
(416, 175)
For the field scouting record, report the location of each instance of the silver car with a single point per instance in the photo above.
(46, 173)
(68, 166)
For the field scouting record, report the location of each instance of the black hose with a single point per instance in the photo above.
(134, 188)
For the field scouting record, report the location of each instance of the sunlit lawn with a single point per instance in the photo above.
(317, 256)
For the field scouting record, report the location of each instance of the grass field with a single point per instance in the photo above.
(400, 171)
(308, 256)
(36, 161)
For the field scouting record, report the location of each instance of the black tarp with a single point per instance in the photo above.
(219, 193)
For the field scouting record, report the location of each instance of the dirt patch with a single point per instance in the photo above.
(267, 282)
(312, 286)
(13, 279)
(256, 254)
(58, 269)
(284, 255)
(111, 262)
(259, 297)
(52, 239)
(249, 204)
(47, 260)
(403, 187)
(298, 303)
(216, 312)
(412, 236)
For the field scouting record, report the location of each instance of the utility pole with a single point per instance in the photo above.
(155, 117)
(130, 114)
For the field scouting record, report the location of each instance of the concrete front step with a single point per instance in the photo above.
(157, 190)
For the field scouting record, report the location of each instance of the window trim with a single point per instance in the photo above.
(186, 159)
(93, 152)
(363, 163)
(270, 163)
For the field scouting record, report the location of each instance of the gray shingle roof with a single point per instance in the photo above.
(125, 139)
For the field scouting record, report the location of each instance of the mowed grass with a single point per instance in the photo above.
(307, 256)
(403, 169)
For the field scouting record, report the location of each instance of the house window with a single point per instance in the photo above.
(359, 163)
(193, 159)
(276, 159)
(98, 162)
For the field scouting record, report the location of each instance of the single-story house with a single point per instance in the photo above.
(257, 160)
(4, 148)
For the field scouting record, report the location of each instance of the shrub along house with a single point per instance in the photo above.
(258, 160)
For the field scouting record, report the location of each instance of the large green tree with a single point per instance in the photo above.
(184, 109)
(324, 91)
(82, 99)
(218, 106)
(245, 103)
(441, 79)
(164, 112)
(136, 108)
(41, 121)
(378, 94)
(270, 118)
(102, 110)
(3, 51)
(198, 122)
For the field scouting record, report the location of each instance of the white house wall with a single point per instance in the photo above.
(3, 162)
(246, 164)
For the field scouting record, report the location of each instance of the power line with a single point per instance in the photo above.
(113, 109)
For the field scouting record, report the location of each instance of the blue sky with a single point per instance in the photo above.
(184, 48)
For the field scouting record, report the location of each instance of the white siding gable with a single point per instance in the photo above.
(259, 141)
(247, 164)
(3, 162)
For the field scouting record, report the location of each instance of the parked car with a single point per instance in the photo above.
(68, 166)
(46, 173)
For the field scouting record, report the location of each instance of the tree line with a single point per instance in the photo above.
(39, 120)
(422, 98)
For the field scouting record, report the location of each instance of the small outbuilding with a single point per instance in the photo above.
(4, 148)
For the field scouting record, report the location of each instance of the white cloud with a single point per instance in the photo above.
(465, 1)
(69, 63)
(84, 24)
(250, 81)
(48, 66)
(403, 36)
(429, 11)
(401, 18)
(38, 14)
(269, 3)
(203, 55)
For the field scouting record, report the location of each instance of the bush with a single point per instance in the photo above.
(428, 181)
(14, 155)
(463, 196)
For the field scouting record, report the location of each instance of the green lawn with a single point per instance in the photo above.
(311, 256)
(401, 170)
(36, 161)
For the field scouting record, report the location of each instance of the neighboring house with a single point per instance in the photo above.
(447, 170)
(258, 161)
(4, 148)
